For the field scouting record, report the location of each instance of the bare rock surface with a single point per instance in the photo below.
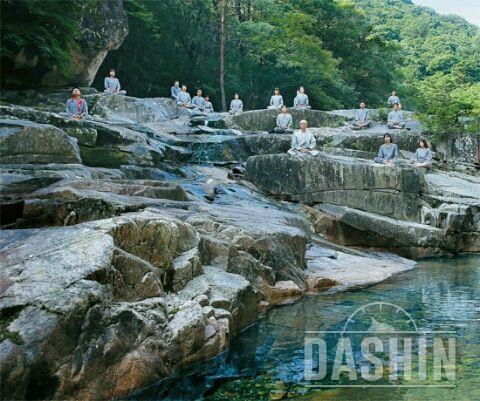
(132, 245)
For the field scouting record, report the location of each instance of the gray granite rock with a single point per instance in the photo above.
(22, 141)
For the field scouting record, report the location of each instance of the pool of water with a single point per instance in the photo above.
(266, 361)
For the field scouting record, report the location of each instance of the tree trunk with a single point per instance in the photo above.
(222, 54)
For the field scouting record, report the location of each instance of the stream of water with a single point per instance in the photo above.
(266, 361)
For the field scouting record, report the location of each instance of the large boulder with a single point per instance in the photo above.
(131, 109)
(38, 105)
(366, 140)
(101, 27)
(352, 227)
(224, 146)
(69, 202)
(265, 120)
(346, 268)
(377, 115)
(449, 221)
(26, 142)
(464, 147)
(389, 191)
(83, 306)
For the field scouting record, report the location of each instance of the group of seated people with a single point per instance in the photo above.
(395, 119)
(203, 104)
(183, 99)
(388, 153)
(77, 107)
(299, 102)
(304, 142)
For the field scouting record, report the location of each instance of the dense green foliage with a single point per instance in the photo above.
(439, 60)
(36, 34)
(342, 51)
(325, 45)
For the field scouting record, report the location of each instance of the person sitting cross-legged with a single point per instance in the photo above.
(284, 122)
(208, 105)
(393, 99)
(362, 118)
(112, 84)
(175, 90)
(388, 152)
(198, 101)
(301, 100)
(395, 118)
(423, 155)
(276, 101)
(184, 98)
(76, 107)
(236, 105)
(303, 142)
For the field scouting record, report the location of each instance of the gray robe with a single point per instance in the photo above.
(362, 116)
(393, 100)
(236, 106)
(209, 107)
(174, 91)
(423, 155)
(395, 118)
(184, 98)
(199, 102)
(386, 152)
(303, 140)
(276, 102)
(284, 121)
(72, 108)
(301, 101)
(112, 85)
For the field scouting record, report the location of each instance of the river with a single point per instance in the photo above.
(266, 361)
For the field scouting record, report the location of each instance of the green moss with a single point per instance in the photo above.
(103, 157)
(383, 113)
(174, 311)
(7, 316)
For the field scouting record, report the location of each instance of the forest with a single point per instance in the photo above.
(341, 51)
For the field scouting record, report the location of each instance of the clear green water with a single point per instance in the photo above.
(266, 361)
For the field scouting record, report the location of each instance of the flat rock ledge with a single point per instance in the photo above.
(355, 202)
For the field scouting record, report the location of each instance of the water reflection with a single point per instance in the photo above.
(267, 362)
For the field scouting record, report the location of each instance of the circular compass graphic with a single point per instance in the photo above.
(380, 318)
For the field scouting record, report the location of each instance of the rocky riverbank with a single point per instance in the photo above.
(138, 243)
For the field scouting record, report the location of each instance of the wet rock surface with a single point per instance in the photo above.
(133, 245)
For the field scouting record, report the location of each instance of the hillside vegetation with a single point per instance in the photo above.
(343, 52)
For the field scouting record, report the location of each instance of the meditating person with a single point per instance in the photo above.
(236, 105)
(77, 107)
(284, 122)
(303, 142)
(388, 152)
(184, 98)
(112, 84)
(208, 105)
(301, 100)
(175, 90)
(198, 101)
(276, 101)
(362, 118)
(423, 155)
(395, 118)
(393, 99)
